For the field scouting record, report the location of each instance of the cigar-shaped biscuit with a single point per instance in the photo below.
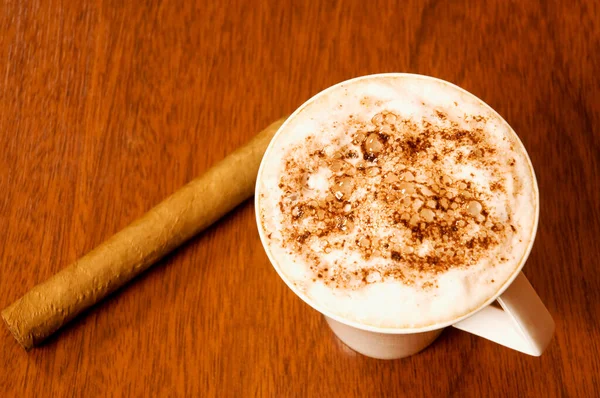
(51, 304)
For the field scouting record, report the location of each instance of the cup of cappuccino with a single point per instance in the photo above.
(397, 205)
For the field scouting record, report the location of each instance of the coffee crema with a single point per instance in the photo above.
(396, 201)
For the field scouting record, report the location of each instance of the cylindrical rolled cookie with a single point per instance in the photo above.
(51, 304)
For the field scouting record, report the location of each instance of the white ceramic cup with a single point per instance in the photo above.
(520, 321)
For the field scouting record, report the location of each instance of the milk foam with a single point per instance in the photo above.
(347, 270)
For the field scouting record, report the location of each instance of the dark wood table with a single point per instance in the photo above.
(107, 108)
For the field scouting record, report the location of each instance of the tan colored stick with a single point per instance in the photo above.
(51, 304)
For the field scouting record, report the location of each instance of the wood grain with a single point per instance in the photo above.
(107, 107)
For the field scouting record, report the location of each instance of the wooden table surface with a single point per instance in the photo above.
(107, 107)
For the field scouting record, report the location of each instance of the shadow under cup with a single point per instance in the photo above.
(520, 321)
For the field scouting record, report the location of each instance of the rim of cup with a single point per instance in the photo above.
(388, 330)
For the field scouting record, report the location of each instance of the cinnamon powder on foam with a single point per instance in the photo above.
(397, 198)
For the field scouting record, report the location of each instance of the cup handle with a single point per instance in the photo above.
(523, 324)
